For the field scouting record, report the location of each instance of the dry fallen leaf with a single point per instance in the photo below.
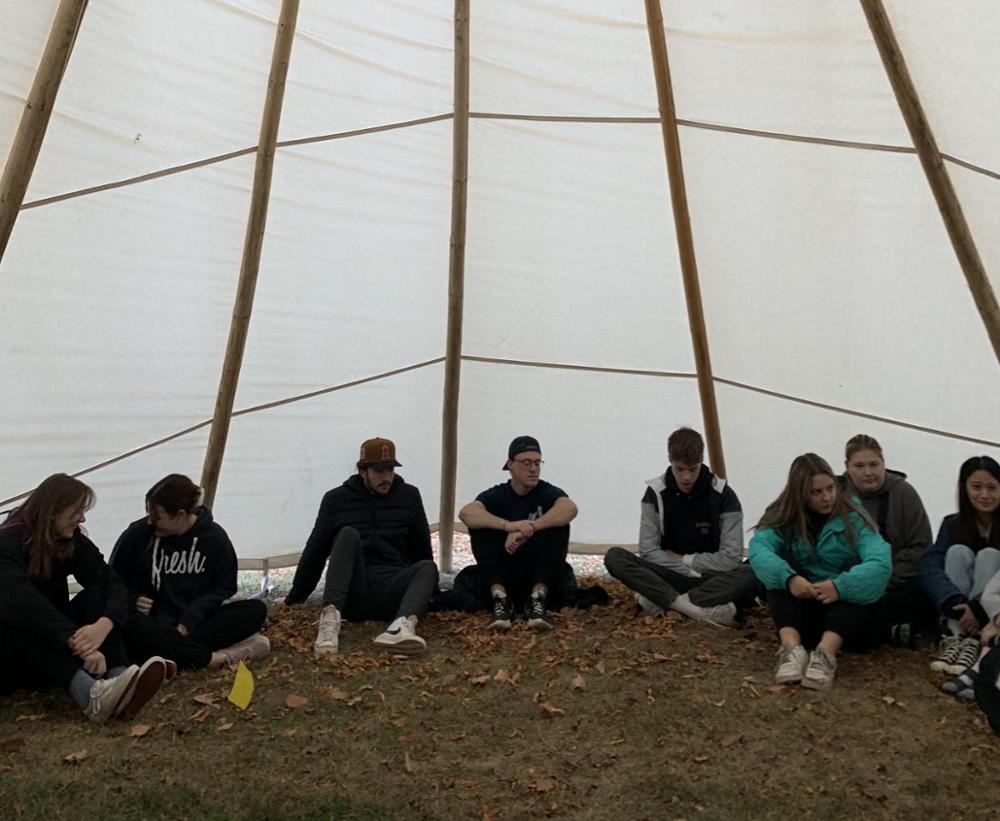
(732, 740)
(139, 730)
(295, 702)
(76, 758)
(543, 784)
(479, 679)
(700, 759)
(578, 682)
(206, 698)
(226, 725)
(599, 667)
(202, 714)
(31, 717)
(334, 693)
(410, 764)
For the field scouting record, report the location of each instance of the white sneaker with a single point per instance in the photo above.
(792, 662)
(108, 696)
(648, 606)
(400, 637)
(820, 671)
(252, 648)
(328, 635)
(722, 615)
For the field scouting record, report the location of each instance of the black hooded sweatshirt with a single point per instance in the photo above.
(186, 576)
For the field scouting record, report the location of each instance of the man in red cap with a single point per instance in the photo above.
(374, 532)
(520, 536)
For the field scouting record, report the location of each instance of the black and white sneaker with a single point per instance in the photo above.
(503, 614)
(400, 637)
(534, 612)
(968, 655)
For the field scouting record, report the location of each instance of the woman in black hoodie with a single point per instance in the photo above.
(48, 639)
(180, 567)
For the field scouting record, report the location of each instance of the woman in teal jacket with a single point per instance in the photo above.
(825, 567)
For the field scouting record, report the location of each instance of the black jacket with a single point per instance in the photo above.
(393, 528)
(186, 576)
(40, 606)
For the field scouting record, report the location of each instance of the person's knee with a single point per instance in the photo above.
(988, 557)
(256, 609)
(960, 553)
(615, 559)
(427, 570)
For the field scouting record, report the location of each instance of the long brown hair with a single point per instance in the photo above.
(787, 513)
(41, 544)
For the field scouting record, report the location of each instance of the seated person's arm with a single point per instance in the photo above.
(865, 582)
(730, 552)
(475, 516)
(562, 512)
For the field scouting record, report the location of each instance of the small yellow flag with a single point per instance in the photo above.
(242, 690)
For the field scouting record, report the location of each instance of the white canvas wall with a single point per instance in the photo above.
(833, 300)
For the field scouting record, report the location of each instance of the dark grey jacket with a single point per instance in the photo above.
(902, 521)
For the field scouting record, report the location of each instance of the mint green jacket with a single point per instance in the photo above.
(860, 574)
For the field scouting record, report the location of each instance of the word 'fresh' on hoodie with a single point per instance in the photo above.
(186, 576)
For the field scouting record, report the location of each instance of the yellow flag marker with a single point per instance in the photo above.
(242, 690)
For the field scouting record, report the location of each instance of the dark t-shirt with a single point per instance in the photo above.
(502, 501)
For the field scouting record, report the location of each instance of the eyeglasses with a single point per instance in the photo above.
(530, 463)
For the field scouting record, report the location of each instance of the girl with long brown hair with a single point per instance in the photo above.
(824, 566)
(50, 639)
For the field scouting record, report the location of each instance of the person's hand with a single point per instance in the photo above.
(524, 526)
(801, 588)
(967, 621)
(90, 637)
(95, 664)
(183, 630)
(514, 541)
(826, 592)
(990, 632)
(143, 605)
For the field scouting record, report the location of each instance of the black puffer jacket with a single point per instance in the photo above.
(393, 527)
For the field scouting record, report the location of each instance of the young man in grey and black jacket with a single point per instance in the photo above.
(690, 540)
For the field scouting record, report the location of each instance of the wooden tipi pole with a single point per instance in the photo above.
(252, 245)
(456, 286)
(36, 114)
(685, 240)
(934, 167)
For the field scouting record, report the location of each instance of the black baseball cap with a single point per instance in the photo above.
(521, 444)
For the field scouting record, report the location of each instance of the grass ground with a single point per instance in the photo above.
(608, 716)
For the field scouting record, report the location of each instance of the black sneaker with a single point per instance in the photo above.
(502, 616)
(534, 612)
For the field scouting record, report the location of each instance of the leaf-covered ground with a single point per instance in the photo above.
(609, 716)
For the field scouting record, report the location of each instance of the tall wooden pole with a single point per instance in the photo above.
(934, 167)
(456, 285)
(685, 240)
(252, 245)
(36, 114)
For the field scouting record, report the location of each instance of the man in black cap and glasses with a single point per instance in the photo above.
(374, 531)
(520, 536)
